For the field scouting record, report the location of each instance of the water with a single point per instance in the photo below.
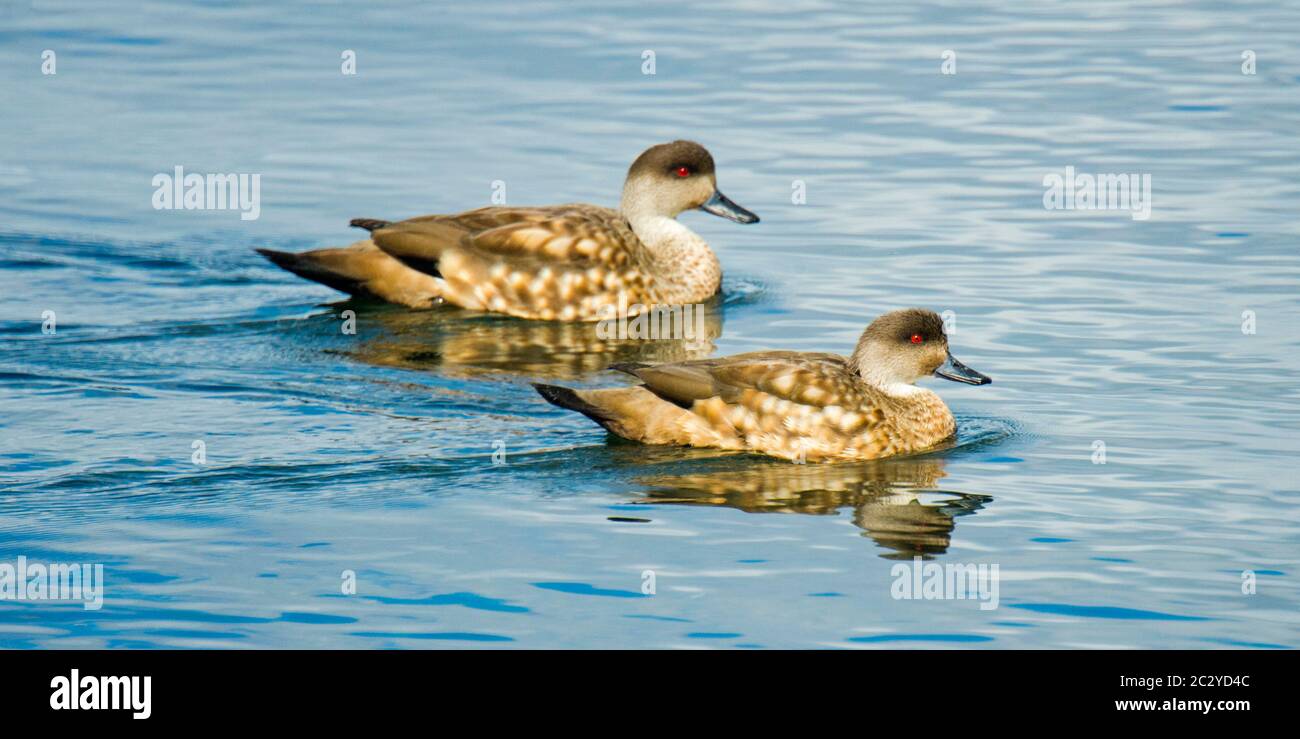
(373, 453)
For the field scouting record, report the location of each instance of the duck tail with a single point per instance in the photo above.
(308, 266)
(570, 400)
(628, 367)
(362, 270)
(369, 224)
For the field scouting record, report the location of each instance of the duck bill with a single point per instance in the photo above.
(953, 370)
(721, 205)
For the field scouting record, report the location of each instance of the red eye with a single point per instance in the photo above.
(916, 339)
(683, 171)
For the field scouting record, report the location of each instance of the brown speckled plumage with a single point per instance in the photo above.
(793, 405)
(564, 263)
(572, 262)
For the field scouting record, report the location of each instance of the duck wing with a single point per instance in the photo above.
(575, 236)
(808, 379)
(568, 262)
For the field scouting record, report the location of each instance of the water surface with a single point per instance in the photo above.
(373, 453)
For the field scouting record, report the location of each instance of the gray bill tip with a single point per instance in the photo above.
(953, 370)
(721, 205)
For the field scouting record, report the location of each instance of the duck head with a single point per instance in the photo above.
(903, 346)
(674, 177)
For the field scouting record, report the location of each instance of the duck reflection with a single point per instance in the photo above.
(467, 344)
(895, 502)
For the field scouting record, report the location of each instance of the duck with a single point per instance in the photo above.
(798, 406)
(574, 262)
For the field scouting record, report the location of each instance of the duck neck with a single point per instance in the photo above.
(877, 369)
(920, 415)
(686, 269)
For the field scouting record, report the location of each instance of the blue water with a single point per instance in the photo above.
(373, 453)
